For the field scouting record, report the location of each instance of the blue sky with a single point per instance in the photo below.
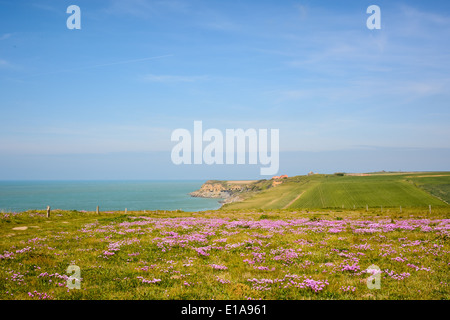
(102, 102)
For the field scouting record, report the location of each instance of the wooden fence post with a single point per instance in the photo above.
(97, 211)
(48, 211)
(125, 210)
(430, 208)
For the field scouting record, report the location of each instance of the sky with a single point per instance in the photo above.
(102, 102)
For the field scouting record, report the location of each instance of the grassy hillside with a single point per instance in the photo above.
(334, 191)
(437, 184)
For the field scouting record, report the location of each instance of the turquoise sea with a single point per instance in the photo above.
(17, 196)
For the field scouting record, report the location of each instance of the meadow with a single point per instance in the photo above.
(224, 254)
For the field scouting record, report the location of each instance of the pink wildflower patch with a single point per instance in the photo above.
(148, 281)
(218, 267)
(350, 267)
(223, 281)
(39, 295)
(347, 288)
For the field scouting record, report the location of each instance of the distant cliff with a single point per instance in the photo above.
(230, 191)
(218, 189)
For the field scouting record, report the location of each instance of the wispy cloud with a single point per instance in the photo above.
(94, 138)
(49, 8)
(425, 16)
(221, 25)
(302, 10)
(416, 24)
(127, 61)
(137, 8)
(173, 78)
(143, 8)
(360, 90)
(102, 65)
(4, 64)
(5, 36)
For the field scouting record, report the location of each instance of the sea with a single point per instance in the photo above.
(18, 196)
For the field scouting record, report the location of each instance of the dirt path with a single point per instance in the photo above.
(431, 176)
(20, 228)
(271, 202)
(296, 198)
(240, 181)
(25, 228)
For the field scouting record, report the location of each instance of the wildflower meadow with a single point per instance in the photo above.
(224, 255)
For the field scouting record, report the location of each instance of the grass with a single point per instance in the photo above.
(226, 254)
(437, 184)
(334, 191)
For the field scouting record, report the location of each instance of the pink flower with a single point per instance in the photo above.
(218, 267)
(348, 288)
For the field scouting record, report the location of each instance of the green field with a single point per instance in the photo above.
(437, 185)
(334, 191)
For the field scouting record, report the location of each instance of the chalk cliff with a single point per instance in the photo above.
(219, 189)
(230, 191)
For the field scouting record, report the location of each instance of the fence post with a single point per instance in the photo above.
(430, 208)
(367, 207)
(97, 211)
(125, 210)
(400, 209)
(48, 211)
